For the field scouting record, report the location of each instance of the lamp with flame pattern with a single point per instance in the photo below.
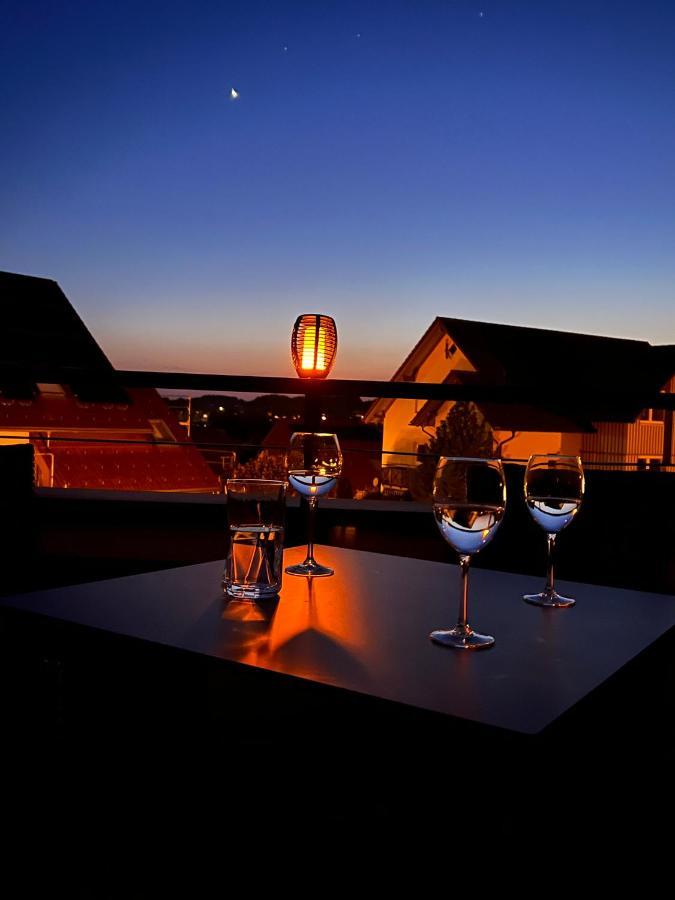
(314, 345)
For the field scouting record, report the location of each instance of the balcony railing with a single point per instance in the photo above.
(224, 457)
(543, 394)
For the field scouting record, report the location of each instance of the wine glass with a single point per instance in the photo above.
(554, 489)
(314, 462)
(469, 503)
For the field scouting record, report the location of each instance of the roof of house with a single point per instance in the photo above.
(513, 354)
(664, 362)
(41, 335)
(521, 356)
(279, 435)
(42, 332)
(67, 413)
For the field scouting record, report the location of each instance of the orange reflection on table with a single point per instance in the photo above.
(316, 627)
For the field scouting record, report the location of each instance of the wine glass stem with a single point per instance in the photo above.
(462, 619)
(550, 586)
(311, 516)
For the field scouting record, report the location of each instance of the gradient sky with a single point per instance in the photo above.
(498, 160)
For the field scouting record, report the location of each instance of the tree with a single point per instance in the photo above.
(264, 465)
(463, 432)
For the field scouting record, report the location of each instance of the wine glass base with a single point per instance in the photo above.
(551, 599)
(462, 638)
(309, 570)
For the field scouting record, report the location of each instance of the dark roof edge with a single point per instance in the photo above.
(29, 277)
(603, 337)
(436, 324)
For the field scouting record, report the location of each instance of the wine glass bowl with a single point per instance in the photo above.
(554, 490)
(313, 463)
(309, 485)
(469, 500)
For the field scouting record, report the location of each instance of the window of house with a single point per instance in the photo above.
(648, 462)
(652, 415)
(161, 431)
(51, 390)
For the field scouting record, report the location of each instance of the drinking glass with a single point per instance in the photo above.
(469, 503)
(314, 462)
(255, 515)
(554, 489)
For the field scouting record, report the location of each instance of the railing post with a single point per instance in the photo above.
(312, 412)
(668, 425)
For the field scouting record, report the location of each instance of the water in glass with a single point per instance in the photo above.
(253, 568)
(554, 489)
(255, 513)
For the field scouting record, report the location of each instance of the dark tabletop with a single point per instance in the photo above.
(366, 629)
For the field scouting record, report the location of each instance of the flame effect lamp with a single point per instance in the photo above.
(314, 345)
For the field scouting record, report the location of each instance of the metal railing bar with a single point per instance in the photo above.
(282, 448)
(559, 395)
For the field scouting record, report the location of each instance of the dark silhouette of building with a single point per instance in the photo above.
(60, 393)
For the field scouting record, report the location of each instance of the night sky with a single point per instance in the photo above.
(383, 163)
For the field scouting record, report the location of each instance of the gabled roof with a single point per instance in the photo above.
(39, 329)
(523, 356)
(513, 354)
(664, 362)
(278, 436)
(408, 369)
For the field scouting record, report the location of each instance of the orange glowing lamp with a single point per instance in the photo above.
(314, 345)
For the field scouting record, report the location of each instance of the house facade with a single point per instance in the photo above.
(460, 351)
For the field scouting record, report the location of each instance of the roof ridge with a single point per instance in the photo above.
(526, 328)
(4, 272)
